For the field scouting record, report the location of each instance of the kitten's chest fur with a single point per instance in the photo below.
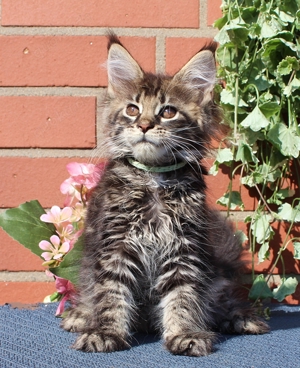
(153, 216)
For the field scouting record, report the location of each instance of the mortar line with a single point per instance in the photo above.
(160, 53)
(24, 276)
(47, 152)
(203, 15)
(40, 276)
(102, 31)
(51, 91)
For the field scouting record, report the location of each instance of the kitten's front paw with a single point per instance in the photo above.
(100, 342)
(244, 325)
(192, 344)
(76, 320)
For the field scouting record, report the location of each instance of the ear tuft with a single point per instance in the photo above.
(112, 38)
(199, 73)
(122, 69)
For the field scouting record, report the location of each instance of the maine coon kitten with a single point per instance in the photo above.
(156, 257)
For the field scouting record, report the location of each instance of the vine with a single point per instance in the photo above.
(258, 59)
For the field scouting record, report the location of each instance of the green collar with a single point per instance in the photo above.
(157, 169)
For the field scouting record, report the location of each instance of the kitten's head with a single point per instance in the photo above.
(158, 119)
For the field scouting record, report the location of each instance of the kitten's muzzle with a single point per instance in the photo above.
(144, 126)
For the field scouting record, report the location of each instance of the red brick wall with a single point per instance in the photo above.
(51, 83)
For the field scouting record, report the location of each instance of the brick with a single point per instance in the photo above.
(15, 257)
(101, 13)
(24, 179)
(47, 122)
(64, 60)
(214, 11)
(180, 50)
(25, 292)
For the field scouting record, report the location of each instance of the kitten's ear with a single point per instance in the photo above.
(123, 71)
(199, 73)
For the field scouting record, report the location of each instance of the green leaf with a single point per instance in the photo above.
(245, 154)
(222, 37)
(260, 289)
(285, 139)
(259, 80)
(276, 49)
(227, 57)
(256, 120)
(253, 179)
(269, 108)
(287, 65)
(235, 31)
(70, 266)
(214, 169)
(224, 155)
(284, 16)
(296, 250)
(234, 198)
(268, 173)
(24, 225)
(261, 228)
(297, 22)
(287, 287)
(291, 87)
(268, 30)
(228, 98)
(288, 213)
(263, 253)
(252, 137)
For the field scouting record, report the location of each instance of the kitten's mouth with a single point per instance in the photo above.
(147, 139)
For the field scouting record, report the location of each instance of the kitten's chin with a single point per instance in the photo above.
(149, 154)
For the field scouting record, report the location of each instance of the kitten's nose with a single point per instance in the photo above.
(145, 126)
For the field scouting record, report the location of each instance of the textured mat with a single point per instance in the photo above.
(32, 338)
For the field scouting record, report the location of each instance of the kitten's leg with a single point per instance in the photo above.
(104, 323)
(111, 320)
(231, 314)
(185, 322)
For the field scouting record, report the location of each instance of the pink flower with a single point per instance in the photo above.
(83, 174)
(68, 187)
(78, 212)
(54, 250)
(56, 215)
(66, 233)
(84, 177)
(66, 288)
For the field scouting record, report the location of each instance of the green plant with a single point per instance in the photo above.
(258, 59)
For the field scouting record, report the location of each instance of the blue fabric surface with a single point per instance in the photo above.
(32, 338)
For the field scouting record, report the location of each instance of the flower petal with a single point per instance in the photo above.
(58, 256)
(55, 210)
(55, 240)
(45, 245)
(65, 214)
(47, 256)
(64, 248)
(74, 168)
(47, 217)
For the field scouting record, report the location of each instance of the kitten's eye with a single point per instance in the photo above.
(132, 110)
(168, 112)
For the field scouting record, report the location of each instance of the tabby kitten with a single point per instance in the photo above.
(156, 257)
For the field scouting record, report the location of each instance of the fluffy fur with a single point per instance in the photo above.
(156, 257)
